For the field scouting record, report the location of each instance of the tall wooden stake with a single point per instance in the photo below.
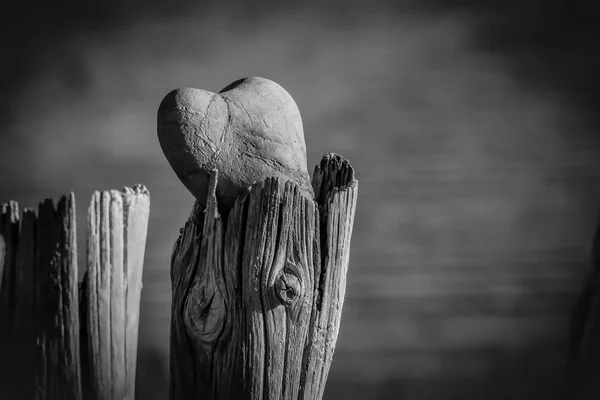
(9, 235)
(57, 300)
(117, 227)
(258, 293)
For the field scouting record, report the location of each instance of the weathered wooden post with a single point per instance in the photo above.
(117, 227)
(259, 269)
(47, 351)
(9, 234)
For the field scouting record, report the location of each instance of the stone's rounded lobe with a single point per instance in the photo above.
(249, 131)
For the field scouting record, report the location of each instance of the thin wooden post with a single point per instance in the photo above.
(57, 301)
(25, 305)
(39, 317)
(117, 227)
(42, 356)
(9, 231)
(258, 293)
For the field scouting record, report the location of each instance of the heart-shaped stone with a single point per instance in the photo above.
(249, 131)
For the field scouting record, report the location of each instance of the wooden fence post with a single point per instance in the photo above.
(258, 292)
(25, 323)
(117, 226)
(57, 302)
(41, 350)
(9, 231)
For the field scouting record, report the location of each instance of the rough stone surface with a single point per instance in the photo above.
(249, 131)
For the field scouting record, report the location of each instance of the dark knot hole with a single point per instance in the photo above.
(288, 286)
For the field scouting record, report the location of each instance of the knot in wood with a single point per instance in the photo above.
(288, 286)
(204, 314)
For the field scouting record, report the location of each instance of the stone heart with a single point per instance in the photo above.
(249, 131)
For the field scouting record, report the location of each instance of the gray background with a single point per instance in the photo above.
(471, 126)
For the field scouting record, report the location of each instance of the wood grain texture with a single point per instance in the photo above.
(258, 293)
(57, 303)
(25, 306)
(117, 229)
(136, 207)
(336, 193)
(41, 297)
(9, 231)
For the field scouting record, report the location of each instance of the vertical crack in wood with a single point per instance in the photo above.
(116, 293)
(274, 322)
(92, 305)
(25, 317)
(229, 379)
(184, 264)
(203, 312)
(259, 221)
(335, 188)
(69, 300)
(299, 262)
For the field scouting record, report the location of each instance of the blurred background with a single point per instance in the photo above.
(472, 127)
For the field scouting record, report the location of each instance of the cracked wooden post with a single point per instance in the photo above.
(111, 291)
(61, 340)
(9, 239)
(259, 270)
(39, 320)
